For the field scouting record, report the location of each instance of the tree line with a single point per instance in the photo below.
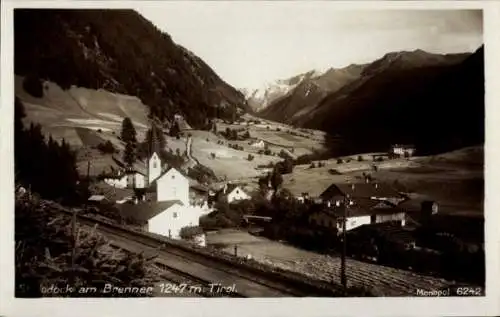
(47, 167)
(154, 141)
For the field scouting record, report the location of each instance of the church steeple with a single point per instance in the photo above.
(154, 141)
(153, 160)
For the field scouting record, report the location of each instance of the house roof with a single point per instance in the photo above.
(110, 192)
(97, 198)
(144, 211)
(230, 188)
(139, 167)
(153, 184)
(362, 207)
(198, 187)
(388, 230)
(360, 190)
(405, 146)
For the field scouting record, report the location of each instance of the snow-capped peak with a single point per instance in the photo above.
(260, 98)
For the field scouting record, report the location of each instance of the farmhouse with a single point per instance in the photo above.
(232, 193)
(162, 217)
(375, 191)
(136, 179)
(118, 181)
(406, 150)
(259, 144)
(360, 212)
(365, 236)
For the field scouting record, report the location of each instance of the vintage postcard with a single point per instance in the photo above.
(272, 150)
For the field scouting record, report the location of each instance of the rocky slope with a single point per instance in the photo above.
(434, 101)
(308, 92)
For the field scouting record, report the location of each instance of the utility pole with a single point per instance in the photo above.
(87, 181)
(343, 277)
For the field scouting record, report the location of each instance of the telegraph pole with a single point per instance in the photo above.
(343, 277)
(87, 184)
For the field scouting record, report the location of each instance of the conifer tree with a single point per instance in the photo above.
(129, 154)
(175, 129)
(49, 168)
(276, 179)
(128, 134)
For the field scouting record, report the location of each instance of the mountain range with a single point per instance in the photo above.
(121, 52)
(435, 101)
(431, 100)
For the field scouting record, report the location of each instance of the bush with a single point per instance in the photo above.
(284, 154)
(58, 251)
(107, 147)
(212, 155)
(33, 86)
(190, 232)
(334, 172)
(340, 161)
(267, 152)
(312, 165)
(360, 158)
(250, 157)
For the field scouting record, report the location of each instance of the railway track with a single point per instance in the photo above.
(199, 269)
(177, 281)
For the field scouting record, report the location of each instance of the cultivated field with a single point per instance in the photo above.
(60, 112)
(454, 180)
(385, 280)
(86, 117)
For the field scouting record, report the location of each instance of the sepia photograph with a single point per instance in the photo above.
(250, 150)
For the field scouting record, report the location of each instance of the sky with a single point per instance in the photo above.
(251, 44)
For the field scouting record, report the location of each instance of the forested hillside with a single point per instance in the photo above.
(122, 52)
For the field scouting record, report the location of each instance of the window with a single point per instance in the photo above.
(173, 176)
(154, 165)
(175, 215)
(237, 191)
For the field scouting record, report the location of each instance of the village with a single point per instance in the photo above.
(377, 218)
(164, 200)
(247, 161)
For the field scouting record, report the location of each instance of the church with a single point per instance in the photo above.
(162, 203)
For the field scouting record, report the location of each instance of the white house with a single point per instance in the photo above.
(172, 185)
(117, 181)
(136, 180)
(165, 218)
(259, 144)
(172, 219)
(233, 193)
(403, 150)
(359, 212)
